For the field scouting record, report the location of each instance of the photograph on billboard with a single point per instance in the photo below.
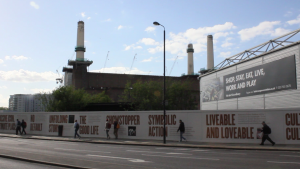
(213, 90)
(131, 130)
(271, 77)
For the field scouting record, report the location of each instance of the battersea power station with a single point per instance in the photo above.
(261, 84)
(76, 74)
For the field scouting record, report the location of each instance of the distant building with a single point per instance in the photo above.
(25, 103)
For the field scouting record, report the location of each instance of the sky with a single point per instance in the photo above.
(37, 38)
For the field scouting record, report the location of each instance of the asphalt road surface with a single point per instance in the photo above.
(9, 164)
(124, 156)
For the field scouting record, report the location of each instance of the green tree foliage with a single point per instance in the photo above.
(149, 95)
(66, 98)
(3, 108)
(181, 97)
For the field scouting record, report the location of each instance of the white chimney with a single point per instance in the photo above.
(80, 49)
(210, 52)
(190, 66)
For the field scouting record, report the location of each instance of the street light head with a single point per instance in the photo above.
(156, 23)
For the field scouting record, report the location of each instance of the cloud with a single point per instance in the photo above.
(150, 29)
(288, 13)
(33, 4)
(179, 57)
(107, 20)
(226, 43)
(148, 60)
(127, 47)
(220, 34)
(3, 87)
(177, 43)
(16, 57)
(1, 61)
(83, 14)
(120, 27)
(4, 101)
(264, 28)
(156, 49)
(280, 31)
(89, 18)
(224, 54)
(26, 76)
(120, 70)
(148, 41)
(132, 46)
(295, 21)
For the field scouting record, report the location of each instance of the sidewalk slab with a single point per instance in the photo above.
(188, 144)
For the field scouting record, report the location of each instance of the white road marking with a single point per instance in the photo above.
(225, 153)
(156, 152)
(282, 162)
(122, 158)
(289, 156)
(124, 147)
(68, 143)
(200, 150)
(260, 151)
(179, 153)
(136, 151)
(181, 149)
(162, 148)
(182, 157)
(81, 150)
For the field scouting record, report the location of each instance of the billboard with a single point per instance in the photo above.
(271, 77)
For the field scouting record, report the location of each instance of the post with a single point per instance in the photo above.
(164, 86)
(164, 96)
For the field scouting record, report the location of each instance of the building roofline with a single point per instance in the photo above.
(258, 56)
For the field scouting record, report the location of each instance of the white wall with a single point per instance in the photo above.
(280, 99)
(198, 124)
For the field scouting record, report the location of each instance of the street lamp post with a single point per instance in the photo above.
(164, 98)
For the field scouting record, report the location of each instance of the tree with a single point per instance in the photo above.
(66, 98)
(3, 108)
(149, 95)
(180, 97)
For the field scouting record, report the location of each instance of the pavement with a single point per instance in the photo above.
(159, 143)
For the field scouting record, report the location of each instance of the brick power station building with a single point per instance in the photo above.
(114, 84)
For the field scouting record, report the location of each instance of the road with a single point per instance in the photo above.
(9, 164)
(124, 156)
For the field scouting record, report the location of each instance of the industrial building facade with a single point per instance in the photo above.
(76, 74)
(275, 82)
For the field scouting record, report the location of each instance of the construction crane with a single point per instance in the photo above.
(59, 79)
(105, 61)
(173, 65)
(134, 58)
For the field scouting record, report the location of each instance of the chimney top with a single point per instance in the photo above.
(190, 45)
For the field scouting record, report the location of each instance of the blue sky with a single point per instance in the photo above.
(38, 37)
